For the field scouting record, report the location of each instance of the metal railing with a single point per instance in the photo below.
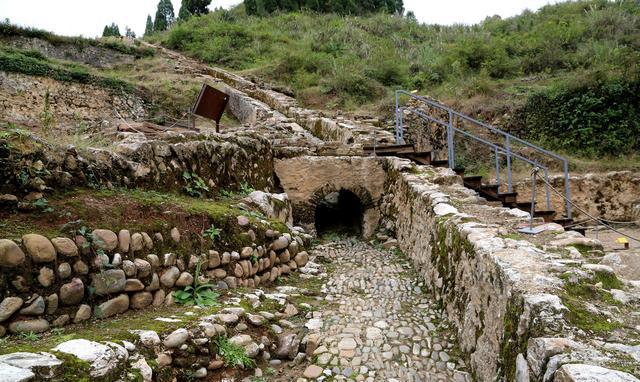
(505, 150)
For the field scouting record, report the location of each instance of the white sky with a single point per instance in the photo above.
(88, 17)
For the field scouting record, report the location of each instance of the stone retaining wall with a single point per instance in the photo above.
(51, 282)
(219, 160)
(501, 294)
(614, 195)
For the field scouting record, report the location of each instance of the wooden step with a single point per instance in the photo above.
(440, 163)
(563, 221)
(490, 191)
(509, 198)
(420, 157)
(547, 215)
(389, 149)
(459, 171)
(473, 182)
(525, 206)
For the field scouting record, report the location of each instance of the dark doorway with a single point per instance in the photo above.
(340, 212)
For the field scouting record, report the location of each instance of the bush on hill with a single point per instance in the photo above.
(351, 61)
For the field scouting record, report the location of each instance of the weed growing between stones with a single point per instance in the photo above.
(195, 185)
(200, 294)
(234, 355)
(212, 233)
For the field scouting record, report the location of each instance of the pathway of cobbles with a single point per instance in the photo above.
(380, 325)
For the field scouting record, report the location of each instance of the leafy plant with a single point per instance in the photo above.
(245, 188)
(195, 185)
(57, 331)
(42, 204)
(30, 336)
(234, 355)
(212, 232)
(200, 294)
(253, 259)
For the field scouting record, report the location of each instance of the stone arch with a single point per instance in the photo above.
(341, 209)
(309, 180)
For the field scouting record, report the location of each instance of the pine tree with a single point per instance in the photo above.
(148, 30)
(111, 30)
(164, 16)
(189, 8)
(185, 11)
(251, 7)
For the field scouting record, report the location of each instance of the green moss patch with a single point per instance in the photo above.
(577, 296)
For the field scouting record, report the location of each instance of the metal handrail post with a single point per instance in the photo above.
(546, 186)
(450, 141)
(497, 168)
(533, 197)
(397, 121)
(507, 145)
(566, 189)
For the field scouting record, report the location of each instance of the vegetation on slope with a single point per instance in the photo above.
(35, 64)
(8, 30)
(578, 53)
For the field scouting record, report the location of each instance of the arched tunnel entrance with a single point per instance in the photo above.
(340, 212)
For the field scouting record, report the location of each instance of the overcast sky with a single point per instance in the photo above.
(88, 17)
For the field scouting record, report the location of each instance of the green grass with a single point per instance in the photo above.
(114, 329)
(35, 64)
(497, 67)
(234, 355)
(8, 30)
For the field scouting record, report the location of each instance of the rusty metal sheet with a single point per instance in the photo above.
(211, 104)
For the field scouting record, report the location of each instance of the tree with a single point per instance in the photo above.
(164, 16)
(129, 33)
(251, 7)
(149, 28)
(189, 8)
(111, 30)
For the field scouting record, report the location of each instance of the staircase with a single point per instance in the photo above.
(489, 191)
(439, 116)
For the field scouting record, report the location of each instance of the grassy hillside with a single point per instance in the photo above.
(585, 54)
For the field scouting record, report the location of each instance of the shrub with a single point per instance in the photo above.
(597, 118)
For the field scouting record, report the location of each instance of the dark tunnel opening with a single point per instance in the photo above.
(339, 212)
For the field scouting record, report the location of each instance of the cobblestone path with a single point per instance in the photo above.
(380, 325)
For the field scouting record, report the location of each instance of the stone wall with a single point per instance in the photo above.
(51, 282)
(308, 180)
(23, 100)
(613, 195)
(502, 294)
(221, 161)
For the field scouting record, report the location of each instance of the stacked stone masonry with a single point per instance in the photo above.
(501, 294)
(52, 282)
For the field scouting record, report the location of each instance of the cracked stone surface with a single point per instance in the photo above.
(381, 325)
